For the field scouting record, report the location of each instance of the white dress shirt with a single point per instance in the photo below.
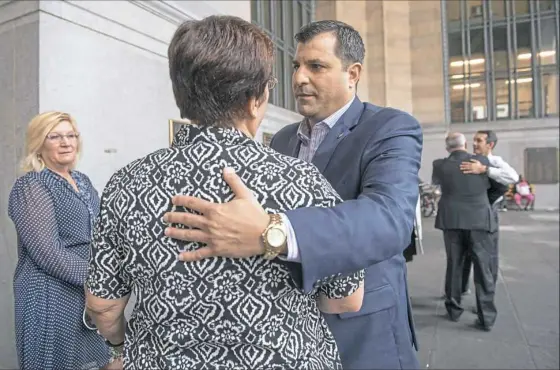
(501, 172)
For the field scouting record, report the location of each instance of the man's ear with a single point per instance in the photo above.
(354, 73)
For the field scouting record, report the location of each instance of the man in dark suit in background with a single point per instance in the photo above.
(465, 216)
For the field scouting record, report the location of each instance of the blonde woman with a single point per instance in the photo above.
(53, 208)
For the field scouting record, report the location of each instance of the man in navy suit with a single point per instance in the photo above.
(371, 156)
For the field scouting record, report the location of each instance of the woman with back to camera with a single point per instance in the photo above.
(217, 313)
(53, 208)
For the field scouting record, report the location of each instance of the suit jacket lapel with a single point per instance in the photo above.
(339, 131)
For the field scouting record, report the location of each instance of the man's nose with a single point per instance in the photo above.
(300, 77)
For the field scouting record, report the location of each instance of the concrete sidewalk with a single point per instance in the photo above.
(526, 333)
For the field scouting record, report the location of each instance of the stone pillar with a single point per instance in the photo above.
(376, 67)
(352, 12)
(325, 9)
(19, 102)
(403, 66)
(427, 62)
(388, 48)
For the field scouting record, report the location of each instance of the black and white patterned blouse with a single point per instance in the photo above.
(219, 313)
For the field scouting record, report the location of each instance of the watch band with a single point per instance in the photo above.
(270, 252)
(114, 345)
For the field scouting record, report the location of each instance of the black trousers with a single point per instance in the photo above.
(468, 259)
(480, 244)
(410, 251)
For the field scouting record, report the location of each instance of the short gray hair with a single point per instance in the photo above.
(455, 141)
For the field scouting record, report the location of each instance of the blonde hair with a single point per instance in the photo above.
(37, 131)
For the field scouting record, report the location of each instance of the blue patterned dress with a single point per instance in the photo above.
(53, 224)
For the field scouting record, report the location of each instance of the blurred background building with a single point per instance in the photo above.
(455, 65)
(464, 66)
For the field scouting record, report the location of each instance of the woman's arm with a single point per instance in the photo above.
(32, 210)
(108, 316)
(108, 287)
(344, 294)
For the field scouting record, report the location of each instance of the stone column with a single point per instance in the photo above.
(427, 62)
(389, 63)
(19, 102)
(352, 12)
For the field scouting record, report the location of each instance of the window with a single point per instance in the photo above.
(521, 7)
(502, 59)
(498, 9)
(500, 44)
(549, 84)
(453, 10)
(281, 20)
(475, 11)
(503, 99)
(548, 42)
(546, 6)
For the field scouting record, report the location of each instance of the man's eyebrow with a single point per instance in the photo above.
(310, 61)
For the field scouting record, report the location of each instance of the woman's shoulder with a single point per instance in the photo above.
(305, 175)
(29, 178)
(150, 163)
(28, 183)
(301, 167)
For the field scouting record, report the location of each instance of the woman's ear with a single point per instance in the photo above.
(253, 107)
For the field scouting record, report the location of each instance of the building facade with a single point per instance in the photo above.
(467, 65)
(455, 65)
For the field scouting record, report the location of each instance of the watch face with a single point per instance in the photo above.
(276, 237)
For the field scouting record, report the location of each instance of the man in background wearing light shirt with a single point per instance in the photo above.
(500, 171)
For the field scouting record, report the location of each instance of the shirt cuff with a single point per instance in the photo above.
(293, 250)
(491, 172)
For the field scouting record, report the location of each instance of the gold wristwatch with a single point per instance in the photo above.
(274, 237)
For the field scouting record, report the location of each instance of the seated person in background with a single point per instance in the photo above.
(523, 191)
(508, 197)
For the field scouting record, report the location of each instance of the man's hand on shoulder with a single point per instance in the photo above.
(230, 229)
(475, 166)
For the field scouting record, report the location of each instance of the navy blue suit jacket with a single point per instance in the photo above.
(371, 157)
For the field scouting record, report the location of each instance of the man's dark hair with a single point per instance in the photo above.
(349, 47)
(216, 65)
(491, 137)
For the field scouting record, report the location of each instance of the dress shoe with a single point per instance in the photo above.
(478, 325)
